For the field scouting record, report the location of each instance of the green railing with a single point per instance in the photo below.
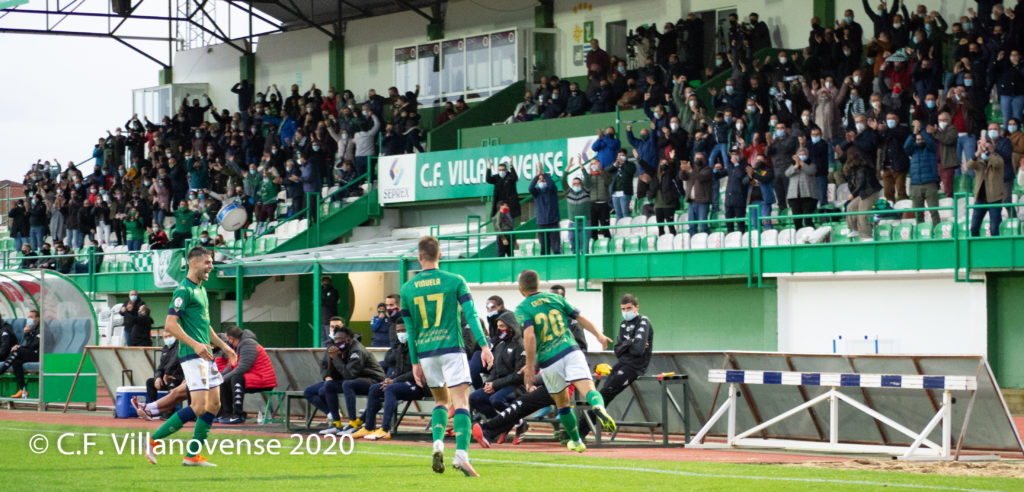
(960, 242)
(314, 203)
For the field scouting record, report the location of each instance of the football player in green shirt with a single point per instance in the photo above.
(549, 344)
(188, 320)
(430, 310)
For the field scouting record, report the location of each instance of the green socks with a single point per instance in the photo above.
(178, 419)
(463, 425)
(199, 434)
(569, 423)
(438, 422)
(595, 399)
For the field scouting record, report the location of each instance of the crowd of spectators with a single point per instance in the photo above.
(907, 104)
(156, 180)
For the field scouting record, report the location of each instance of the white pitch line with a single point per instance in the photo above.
(645, 470)
(693, 474)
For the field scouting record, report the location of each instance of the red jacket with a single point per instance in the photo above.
(253, 362)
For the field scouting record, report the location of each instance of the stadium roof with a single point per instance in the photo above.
(375, 255)
(183, 24)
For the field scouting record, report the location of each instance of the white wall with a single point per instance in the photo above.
(909, 313)
(214, 65)
(590, 304)
(267, 304)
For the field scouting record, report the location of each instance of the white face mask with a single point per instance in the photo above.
(674, 126)
(169, 341)
(402, 337)
(628, 315)
(943, 125)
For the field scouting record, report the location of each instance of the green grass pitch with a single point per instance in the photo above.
(377, 466)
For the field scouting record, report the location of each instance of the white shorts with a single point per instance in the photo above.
(446, 370)
(572, 367)
(201, 374)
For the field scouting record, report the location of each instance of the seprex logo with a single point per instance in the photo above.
(396, 176)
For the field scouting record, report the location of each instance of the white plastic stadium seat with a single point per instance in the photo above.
(665, 242)
(716, 240)
(732, 240)
(787, 237)
(699, 241)
(903, 204)
(621, 231)
(681, 241)
(770, 237)
(564, 224)
(803, 236)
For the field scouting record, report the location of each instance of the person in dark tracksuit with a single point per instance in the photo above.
(337, 366)
(399, 385)
(168, 374)
(504, 383)
(26, 351)
(633, 348)
(8, 339)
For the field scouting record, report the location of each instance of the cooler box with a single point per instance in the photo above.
(123, 400)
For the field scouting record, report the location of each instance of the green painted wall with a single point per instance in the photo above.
(305, 335)
(275, 334)
(578, 126)
(1005, 336)
(700, 315)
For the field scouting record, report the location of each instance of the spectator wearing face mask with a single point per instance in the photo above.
(895, 163)
(504, 222)
(698, 177)
(924, 171)
(1007, 73)
(504, 181)
(366, 139)
(988, 187)
(346, 144)
(801, 191)
(19, 224)
(577, 199)
(37, 222)
(545, 198)
(142, 325)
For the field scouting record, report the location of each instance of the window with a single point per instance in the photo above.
(473, 67)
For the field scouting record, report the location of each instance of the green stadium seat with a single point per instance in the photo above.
(649, 243)
(1010, 227)
(883, 232)
(943, 230)
(631, 244)
(195, 231)
(903, 232)
(566, 247)
(840, 233)
(335, 206)
(617, 245)
(599, 245)
(923, 230)
(269, 243)
(529, 247)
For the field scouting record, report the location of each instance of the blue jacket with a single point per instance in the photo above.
(607, 149)
(381, 332)
(546, 201)
(924, 166)
(647, 148)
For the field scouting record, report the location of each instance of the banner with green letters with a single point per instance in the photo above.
(462, 173)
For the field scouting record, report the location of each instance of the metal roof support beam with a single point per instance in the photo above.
(139, 51)
(120, 39)
(294, 10)
(246, 8)
(423, 14)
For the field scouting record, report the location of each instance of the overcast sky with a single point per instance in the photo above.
(60, 94)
